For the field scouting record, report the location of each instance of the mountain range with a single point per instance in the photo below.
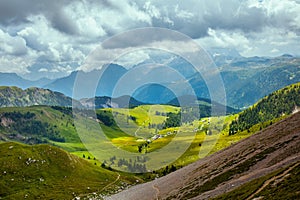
(12, 79)
(246, 80)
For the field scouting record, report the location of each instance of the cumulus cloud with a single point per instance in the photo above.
(13, 45)
(16, 12)
(225, 39)
(65, 31)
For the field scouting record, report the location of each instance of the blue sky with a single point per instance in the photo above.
(52, 38)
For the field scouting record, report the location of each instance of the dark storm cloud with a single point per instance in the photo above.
(14, 12)
(195, 17)
(63, 23)
(230, 18)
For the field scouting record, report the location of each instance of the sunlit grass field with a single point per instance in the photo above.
(137, 134)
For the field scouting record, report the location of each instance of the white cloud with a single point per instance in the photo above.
(13, 45)
(132, 58)
(12, 64)
(152, 10)
(268, 42)
(225, 39)
(43, 70)
(183, 14)
(66, 31)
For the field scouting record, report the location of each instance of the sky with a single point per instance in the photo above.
(41, 38)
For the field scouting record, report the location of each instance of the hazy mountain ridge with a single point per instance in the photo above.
(12, 79)
(246, 80)
(104, 86)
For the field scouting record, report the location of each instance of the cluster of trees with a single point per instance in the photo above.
(133, 118)
(173, 120)
(132, 167)
(65, 110)
(106, 117)
(277, 104)
(169, 169)
(26, 124)
(158, 126)
(190, 114)
(16, 116)
(160, 113)
(143, 146)
(186, 115)
(135, 166)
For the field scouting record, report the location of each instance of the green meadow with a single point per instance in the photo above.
(137, 141)
(138, 136)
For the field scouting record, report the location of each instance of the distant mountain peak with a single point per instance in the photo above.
(287, 56)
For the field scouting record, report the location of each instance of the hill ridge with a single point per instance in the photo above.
(12, 96)
(278, 104)
(29, 171)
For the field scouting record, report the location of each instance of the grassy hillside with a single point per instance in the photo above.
(139, 125)
(47, 172)
(38, 124)
(278, 104)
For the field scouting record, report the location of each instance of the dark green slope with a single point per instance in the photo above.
(37, 124)
(47, 172)
(276, 105)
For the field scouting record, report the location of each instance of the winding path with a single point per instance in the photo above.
(110, 184)
(157, 190)
(271, 180)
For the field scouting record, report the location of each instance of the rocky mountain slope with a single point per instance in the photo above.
(108, 102)
(16, 97)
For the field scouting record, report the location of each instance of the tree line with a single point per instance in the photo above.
(279, 103)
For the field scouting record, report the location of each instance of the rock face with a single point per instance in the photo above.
(267, 151)
(16, 97)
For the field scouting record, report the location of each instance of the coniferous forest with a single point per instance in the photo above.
(277, 104)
